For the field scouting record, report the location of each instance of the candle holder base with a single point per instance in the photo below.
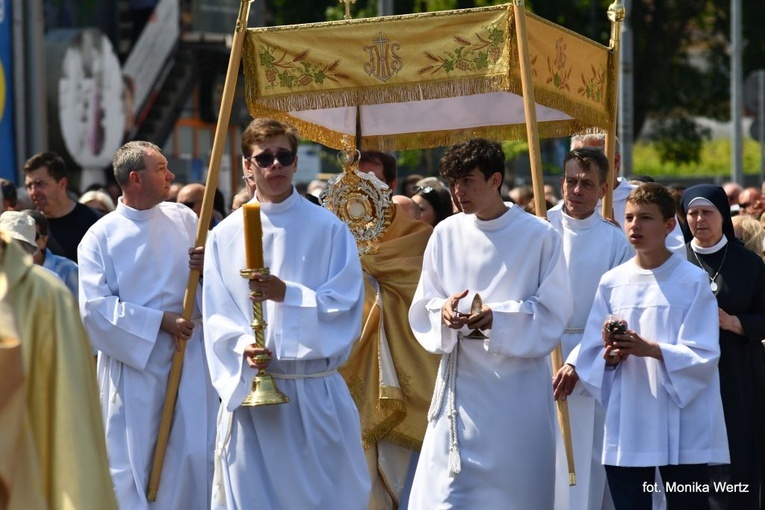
(264, 392)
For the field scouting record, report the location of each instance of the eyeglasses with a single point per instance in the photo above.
(266, 159)
(39, 183)
(424, 190)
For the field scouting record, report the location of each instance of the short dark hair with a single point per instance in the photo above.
(586, 157)
(387, 161)
(654, 193)
(263, 129)
(8, 190)
(439, 198)
(40, 220)
(462, 158)
(51, 160)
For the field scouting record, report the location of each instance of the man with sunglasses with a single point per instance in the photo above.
(306, 453)
(191, 195)
(750, 202)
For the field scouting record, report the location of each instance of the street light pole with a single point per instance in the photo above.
(736, 93)
(384, 7)
(626, 93)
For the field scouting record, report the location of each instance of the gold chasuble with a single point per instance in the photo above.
(389, 375)
(61, 397)
(20, 484)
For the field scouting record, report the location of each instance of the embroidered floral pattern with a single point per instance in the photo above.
(592, 87)
(296, 72)
(533, 62)
(405, 382)
(558, 74)
(468, 55)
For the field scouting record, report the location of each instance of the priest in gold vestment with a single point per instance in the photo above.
(20, 484)
(390, 376)
(60, 396)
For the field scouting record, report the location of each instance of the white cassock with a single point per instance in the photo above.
(675, 241)
(133, 267)
(499, 450)
(658, 412)
(306, 453)
(591, 247)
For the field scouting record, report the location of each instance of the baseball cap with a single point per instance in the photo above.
(19, 226)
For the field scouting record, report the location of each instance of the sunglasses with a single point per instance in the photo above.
(425, 190)
(190, 205)
(266, 159)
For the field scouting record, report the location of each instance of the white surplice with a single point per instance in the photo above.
(591, 246)
(658, 412)
(306, 453)
(499, 389)
(134, 265)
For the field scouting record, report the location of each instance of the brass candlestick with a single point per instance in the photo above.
(264, 391)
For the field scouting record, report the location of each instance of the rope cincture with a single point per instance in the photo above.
(446, 385)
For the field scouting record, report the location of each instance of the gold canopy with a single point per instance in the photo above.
(426, 80)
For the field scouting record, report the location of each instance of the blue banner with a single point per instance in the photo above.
(7, 143)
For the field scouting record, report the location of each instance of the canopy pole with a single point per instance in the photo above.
(616, 15)
(189, 297)
(537, 181)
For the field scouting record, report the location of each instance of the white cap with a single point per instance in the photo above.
(19, 225)
(698, 201)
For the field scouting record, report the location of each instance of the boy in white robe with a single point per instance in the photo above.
(306, 453)
(490, 441)
(658, 380)
(134, 266)
(591, 246)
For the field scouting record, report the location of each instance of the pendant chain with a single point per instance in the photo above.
(712, 278)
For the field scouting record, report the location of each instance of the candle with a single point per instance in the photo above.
(253, 236)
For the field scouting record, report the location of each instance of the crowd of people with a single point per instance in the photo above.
(417, 373)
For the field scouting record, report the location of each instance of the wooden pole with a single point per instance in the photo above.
(537, 181)
(616, 14)
(219, 142)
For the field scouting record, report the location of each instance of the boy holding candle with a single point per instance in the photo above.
(306, 453)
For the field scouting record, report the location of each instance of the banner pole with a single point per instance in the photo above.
(211, 183)
(537, 181)
(616, 15)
